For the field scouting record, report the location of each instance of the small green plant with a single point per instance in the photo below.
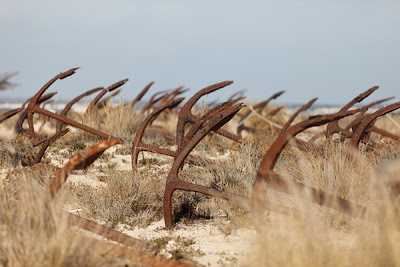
(76, 147)
(124, 150)
(175, 247)
(158, 243)
(112, 166)
(105, 157)
(148, 161)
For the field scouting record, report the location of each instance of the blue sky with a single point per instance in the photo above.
(328, 49)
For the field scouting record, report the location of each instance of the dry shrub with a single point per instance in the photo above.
(384, 151)
(328, 169)
(18, 150)
(137, 198)
(237, 173)
(133, 199)
(35, 234)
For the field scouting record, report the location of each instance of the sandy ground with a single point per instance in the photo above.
(216, 247)
(210, 244)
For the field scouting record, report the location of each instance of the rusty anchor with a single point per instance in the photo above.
(186, 116)
(34, 108)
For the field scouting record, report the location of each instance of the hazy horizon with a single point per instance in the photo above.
(330, 50)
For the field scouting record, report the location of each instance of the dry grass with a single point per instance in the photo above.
(318, 236)
(315, 236)
(126, 198)
(34, 234)
(116, 120)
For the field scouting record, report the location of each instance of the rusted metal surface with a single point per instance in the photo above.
(139, 146)
(106, 100)
(177, 91)
(361, 116)
(8, 114)
(294, 116)
(364, 126)
(153, 100)
(47, 103)
(68, 106)
(110, 88)
(375, 103)
(18, 125)
(42, 117)
(333, 127)
(162, 98)
(104, 231)
(46, 143)
(186, 116)
(213, 120)
(300, 144)
(168, 97)
(140, 95)
(266, 174)
(385, 133)
(34, 108)
(265, 103)
(274, 111)
(236, 97)
(79, 161)
(287, 133)
(362, 112)
(34, 100)
(195, 127)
